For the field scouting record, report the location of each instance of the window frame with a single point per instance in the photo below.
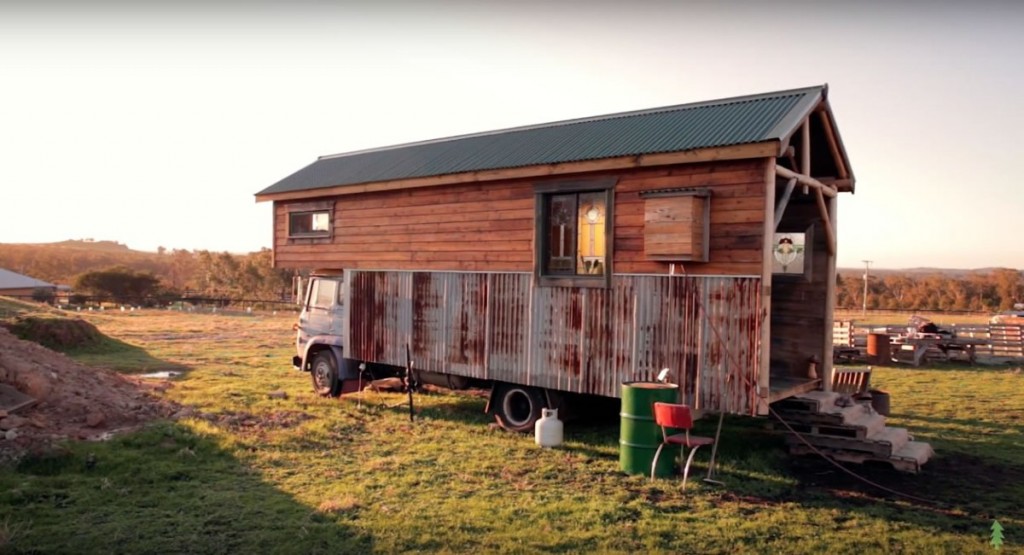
(807, 275)
(542, 195)
(310, 208)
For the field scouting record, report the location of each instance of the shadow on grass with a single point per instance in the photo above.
(165, 489)
(119, 356)
(84, 342)
(958, 492)
(756, 469)
(933, 425)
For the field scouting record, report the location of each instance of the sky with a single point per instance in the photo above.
(154, 124)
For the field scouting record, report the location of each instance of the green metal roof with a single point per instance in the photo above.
(731, 121)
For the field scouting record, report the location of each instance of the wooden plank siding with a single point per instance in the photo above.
(737, 217)
(799, 305)
(490, 226)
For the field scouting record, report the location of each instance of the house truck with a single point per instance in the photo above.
(553, 262)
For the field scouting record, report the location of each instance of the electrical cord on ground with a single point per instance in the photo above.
(732, 359)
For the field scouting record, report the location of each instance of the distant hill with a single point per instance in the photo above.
(60, 262)
(221, 274)
(86, 244)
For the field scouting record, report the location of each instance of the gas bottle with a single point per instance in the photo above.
(548, 430)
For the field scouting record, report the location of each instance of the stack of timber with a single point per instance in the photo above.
(853, 433)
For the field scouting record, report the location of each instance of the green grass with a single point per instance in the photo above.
(310, 475)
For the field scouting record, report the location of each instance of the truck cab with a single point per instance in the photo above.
(318, 337)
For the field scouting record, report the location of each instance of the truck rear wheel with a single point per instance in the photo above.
(517, 408)
(324, 372)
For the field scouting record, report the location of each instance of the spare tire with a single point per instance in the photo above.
(518, 407)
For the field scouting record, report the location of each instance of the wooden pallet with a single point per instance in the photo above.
(814, 424)
(909, 458)
(859, 427)
(883, 443)
(812, 402)
(836, 417)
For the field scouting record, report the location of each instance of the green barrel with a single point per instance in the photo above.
(639, 436)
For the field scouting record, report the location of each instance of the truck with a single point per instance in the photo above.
(320, 351)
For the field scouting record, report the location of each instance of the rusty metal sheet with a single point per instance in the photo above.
(587, 340)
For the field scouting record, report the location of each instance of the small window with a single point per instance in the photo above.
(309, 224)
(573, 227)
(788, 254)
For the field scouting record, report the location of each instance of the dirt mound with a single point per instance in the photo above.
(56, 333)
(73, 400)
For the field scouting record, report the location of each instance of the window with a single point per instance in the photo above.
(322, 293)
(309, 224)
(789, 254)
(573, 231)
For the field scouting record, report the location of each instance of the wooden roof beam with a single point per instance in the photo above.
(820, 192)
(805, 149)
(806, 180)
(830, 234)
(780, 208)
(833, 146)
(837, 183)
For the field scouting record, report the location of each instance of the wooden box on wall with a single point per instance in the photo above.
(676, 225)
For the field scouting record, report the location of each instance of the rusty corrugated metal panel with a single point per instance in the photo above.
(497, 326)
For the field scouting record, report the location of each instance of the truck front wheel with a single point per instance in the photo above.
(518, 407)
(324, 372)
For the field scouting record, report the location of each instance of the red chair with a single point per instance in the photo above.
(668, 415)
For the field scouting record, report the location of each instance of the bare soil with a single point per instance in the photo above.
(73, 401)
(55, 333)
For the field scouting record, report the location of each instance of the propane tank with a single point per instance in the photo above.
(548, 430)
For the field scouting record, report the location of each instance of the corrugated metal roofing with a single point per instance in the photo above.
(733, 121)
(14, 280)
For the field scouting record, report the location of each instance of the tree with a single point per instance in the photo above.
(1010, 286)
(119, 283)
(43, 295)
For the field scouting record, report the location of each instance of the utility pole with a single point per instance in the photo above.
(867, 266)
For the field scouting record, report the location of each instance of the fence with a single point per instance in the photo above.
(184, 303)
(1001, 341)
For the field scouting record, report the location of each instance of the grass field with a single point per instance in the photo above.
(880, 317)
(310, 475)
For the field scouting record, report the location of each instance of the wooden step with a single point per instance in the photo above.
(835, 416)
(910, 458)
(857, 427)
(895, 438)
(810, 402)
(880, 444)
(866, 423)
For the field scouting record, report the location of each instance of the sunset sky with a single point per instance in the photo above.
(155, 126)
